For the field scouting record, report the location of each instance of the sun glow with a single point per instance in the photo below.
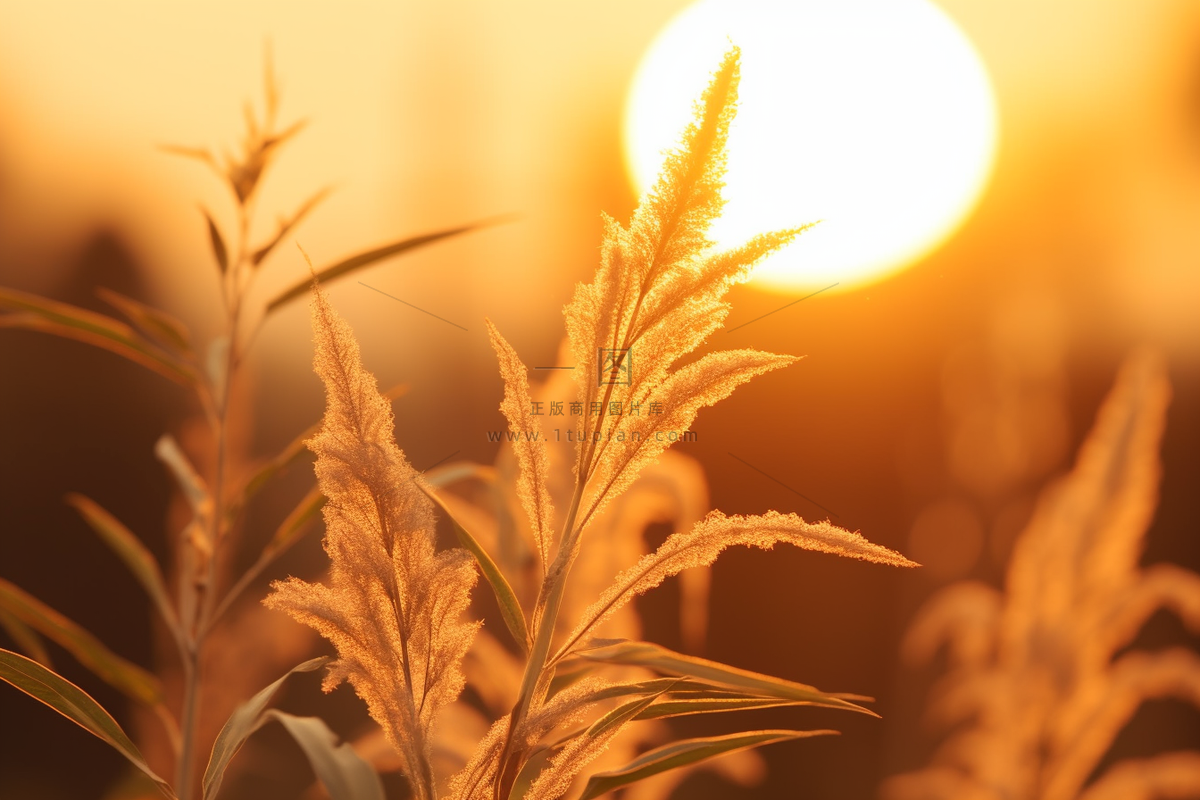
(875, 117)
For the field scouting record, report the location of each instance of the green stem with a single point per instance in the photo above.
(201, 627)
(549, 601)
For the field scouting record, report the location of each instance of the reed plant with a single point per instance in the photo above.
(396, 606)
(1044, 674)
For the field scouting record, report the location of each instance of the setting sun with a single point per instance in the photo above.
(875, 117)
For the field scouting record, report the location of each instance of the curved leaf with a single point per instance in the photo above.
(308, 509)
(71, 322)
(287, 534)
(460, 471)
(348, 265)
(220, 250)
(155, 323)
(678, 707)
(25, 638)
(245, 720)
(123, 675)
(683, 753)
(130, 550)
(343, 772)
(294, 450)
(286, 226)
(506, 598)
(75, 704)
(660, 659)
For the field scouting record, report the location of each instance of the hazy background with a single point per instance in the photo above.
(929, 410)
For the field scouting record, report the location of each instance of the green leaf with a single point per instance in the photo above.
(245, 720)
(130, 550)
(294, 525)
(75, 704)
(286, 226)
(347, 265)
(71, 322)
(155, 323)
(286, 457)
(668, 662)
(568, 677)
(681, 707)
(343, 772)
(190, 483)
(453, 473)
(25, 638)
(198, 153)
(287, 534)
(682, 696)
(685, 752)
(123, 675)
(292, 453)
(510, 607)
(220, 251)
(620, 716)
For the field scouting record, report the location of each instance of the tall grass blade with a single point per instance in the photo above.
(294, 524)
(160, 326)
(286, 226)
(26, 639)
(506, 598)
(219, 248)
(123, 675)
(130, 550)
(343, 772)
(685, 752)
(348, 265)
(76, 705)
(668, 662)
(245, 720)
(295, 449)
(71, 322)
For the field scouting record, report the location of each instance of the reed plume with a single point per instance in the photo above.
(657, 295)
(1038, 685)
(394, 605)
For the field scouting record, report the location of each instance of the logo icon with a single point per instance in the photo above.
(615, 367)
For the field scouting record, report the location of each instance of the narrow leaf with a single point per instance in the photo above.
(25, 638)
(292, 453)
(123, 675)
(576, 751)
(679, 708)
(75, 704)
(277, 139)
(285, 227)
(343, 772)
(71, 322)
(220, 251)
(361, 260)
(198, 153)
(294, 524)
(245, 720)
(190, 483)
(130, 550)
(620, 716)
(683, 753)
(510, 607)
(453, 473)
(155, 323)
(287, 534)
(660, 659)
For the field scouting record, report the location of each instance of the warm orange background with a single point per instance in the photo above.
(962, 383)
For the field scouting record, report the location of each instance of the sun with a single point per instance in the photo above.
(875, 117)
